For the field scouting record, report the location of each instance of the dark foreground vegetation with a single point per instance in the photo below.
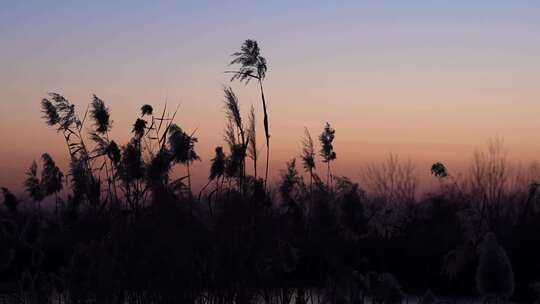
(123, 231)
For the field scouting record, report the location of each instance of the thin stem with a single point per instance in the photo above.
(56, 203)
(328, 175)
(188, 178)
(267, 135)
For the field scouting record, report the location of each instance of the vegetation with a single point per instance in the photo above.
(124, 231)
(253, 66)
(494, 276)
(327, 149)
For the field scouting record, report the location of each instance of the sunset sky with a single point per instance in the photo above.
(428, 80)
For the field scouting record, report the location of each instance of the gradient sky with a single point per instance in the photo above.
(428, 80)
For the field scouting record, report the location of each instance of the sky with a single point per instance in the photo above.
(427, 80)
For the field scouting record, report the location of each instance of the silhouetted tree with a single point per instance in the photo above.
(327, 149)
(253, 66)
(392, 181)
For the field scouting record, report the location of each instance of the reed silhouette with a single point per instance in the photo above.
(253, 66)
(308, 157)
(122, 230)
(327, 149)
